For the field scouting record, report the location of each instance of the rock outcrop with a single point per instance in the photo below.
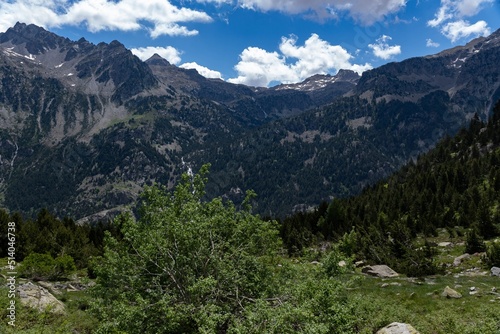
(398, 328)
(450, 293)
(39, 298)
(458, 260)
(381, 271)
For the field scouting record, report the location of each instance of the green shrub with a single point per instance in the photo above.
(331, 263)
(64, 266)
(473, 242)
(186, 266)
(37, 266)
(44, 267)
(493, 254)
(315, 304)
(348, 244)
(420, 262)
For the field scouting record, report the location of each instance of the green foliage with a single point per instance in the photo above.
(311, 305)
(186, 265)
(64, 266)
(331, 262)
(37, 266)
(348, 244)
(492, 257)
(44, 267)
(420, 262)
(473, 242)
(49, 235)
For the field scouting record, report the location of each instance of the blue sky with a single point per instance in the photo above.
(264, 42)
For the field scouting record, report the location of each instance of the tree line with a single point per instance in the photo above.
(47, 234)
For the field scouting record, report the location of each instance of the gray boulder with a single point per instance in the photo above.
(450, 293)
(381, 270)
(39, 298)
(495, 271)
(460, 258)
(398, 328)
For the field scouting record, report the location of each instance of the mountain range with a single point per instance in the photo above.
(84, 127)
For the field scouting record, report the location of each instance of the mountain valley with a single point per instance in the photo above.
(84, 127)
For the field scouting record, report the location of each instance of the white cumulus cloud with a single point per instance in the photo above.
(258, 67)
(159, 17)
(42, 13)
(365, 11)
(462, 29)
(471, 7)
(450, 19)
(169, 53)
(442, 15)
(383, 50)
(431, 44)
(205, 71)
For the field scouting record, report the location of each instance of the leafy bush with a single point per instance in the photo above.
(331, 263)
(420, 262)
(315, 304)
(492, 257)
(44, 267)
(186, 265)
(348, 244)
(37, 266)
(64, 266)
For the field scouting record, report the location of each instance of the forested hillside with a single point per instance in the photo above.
(455, 186)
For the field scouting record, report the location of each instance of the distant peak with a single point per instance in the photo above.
(473, 46)
(156, 56)
(27, 29)
(116, 44)
(36, 39)
(156, 59)
(347, 75)
(19, 26)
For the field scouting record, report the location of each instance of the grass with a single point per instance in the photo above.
(420, 304)
(419, 301)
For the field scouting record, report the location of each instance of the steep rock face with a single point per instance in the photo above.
(32, 39)
(60, 88)
(84, 127)
(85, 67)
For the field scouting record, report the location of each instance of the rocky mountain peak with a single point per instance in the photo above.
(35, 40)
(463, 52)
(347, 75)
(116, 44)
(157, 60)
(321, 81)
